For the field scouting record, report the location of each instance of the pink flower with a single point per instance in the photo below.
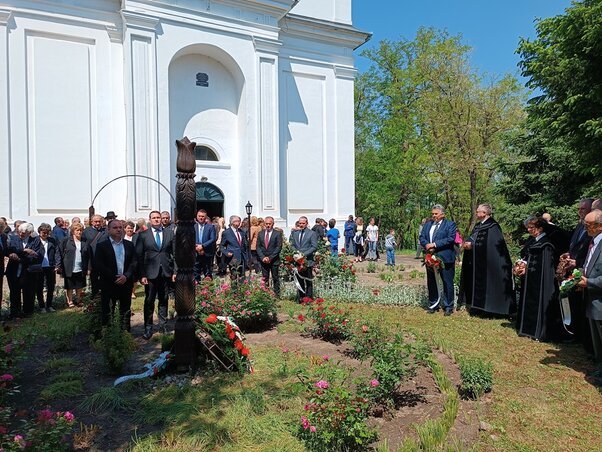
(365, 328)
(69, 417)
(312, 429)
(285, 350)
(6, 377)
(374, 383)
(8, 348)
(326, 357)
(44, 415)
(305, 422)
(322, 384)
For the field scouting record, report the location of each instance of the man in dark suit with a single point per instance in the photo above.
(269, 244)
(115, 261)
(235, 248)
(155, 250)
(25, 254)
(93, 235)
(438, 237)
(305, 241)
(59, 233)
(204, 246)
(47, 277)
(592, 282)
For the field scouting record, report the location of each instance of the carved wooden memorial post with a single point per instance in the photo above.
(185, 338)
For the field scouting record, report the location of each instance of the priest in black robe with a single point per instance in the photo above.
(486, 282)
(539, 306)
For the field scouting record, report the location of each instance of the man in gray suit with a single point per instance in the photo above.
(305, 241)
(592, 282)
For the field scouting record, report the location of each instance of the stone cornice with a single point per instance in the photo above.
(5, 16)
(139, 21)
(324, 31)
(345, 72)
(266, 45)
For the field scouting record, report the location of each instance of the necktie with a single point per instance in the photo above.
(301, 236)
(267, 239)
(158, 238)
(238, 238)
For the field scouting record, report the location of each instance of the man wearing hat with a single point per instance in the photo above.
(110, 216)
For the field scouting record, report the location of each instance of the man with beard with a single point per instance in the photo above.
(486, 278)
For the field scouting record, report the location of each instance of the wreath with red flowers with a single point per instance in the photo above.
(228, 337)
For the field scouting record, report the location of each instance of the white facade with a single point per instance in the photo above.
(97, 89)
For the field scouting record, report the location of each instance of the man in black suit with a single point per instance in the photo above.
(47, 277)
(59, 233)
(305, 241)
(115, 261)
(204, 246)
(93, 235)
(235, 248)
(25, 254)
(269, 244)
(166, 220)
(155, 250)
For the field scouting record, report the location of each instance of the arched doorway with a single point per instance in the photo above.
(210, 198)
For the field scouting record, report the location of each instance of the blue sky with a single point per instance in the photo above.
(491, 27)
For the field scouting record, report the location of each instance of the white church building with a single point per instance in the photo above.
(92, 90)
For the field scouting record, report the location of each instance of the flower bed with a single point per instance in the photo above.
(249, 303)
(330, 323)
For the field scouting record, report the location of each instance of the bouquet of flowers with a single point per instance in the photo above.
(229, 339)
(571, 282)
(432, 261)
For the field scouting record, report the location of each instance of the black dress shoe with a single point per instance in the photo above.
(148, 333)
(447, 313)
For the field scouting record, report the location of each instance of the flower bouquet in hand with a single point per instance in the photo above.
(432, 261)
(571, 282)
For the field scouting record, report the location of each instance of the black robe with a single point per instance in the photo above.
(540, 316)
(486, 281)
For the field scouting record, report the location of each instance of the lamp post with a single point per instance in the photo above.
(249, 209)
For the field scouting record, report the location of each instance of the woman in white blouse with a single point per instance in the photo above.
(73, 264)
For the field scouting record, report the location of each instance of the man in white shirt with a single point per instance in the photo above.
(116, 262)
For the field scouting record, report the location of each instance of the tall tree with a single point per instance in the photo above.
(429, 129)
(564, 62)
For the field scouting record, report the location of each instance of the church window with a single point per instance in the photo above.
(205, 153)
(202, 79)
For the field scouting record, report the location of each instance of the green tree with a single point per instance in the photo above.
(429, 129)
(564, 62)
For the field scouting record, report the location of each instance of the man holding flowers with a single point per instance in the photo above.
(438, 237)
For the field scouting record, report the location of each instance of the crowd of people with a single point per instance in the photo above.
(527, 289)
(114, 255)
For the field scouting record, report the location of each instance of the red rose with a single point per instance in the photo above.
(301, 317)
(211, 319)
(244, 351)
(288, 258)
(231, 335)
(238, 345)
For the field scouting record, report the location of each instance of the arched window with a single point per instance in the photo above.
(205, 153)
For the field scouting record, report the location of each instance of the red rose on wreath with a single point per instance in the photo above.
(211, 319)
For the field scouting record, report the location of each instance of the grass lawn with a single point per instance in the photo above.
(540, 398)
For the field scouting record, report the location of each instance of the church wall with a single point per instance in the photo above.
(61, 137)
(317, 130)
(331, 10)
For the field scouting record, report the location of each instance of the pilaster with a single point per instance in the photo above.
(268, 136)
(5, 176)
(140, 34)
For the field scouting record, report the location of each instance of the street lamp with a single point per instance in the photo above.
(249, 209)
